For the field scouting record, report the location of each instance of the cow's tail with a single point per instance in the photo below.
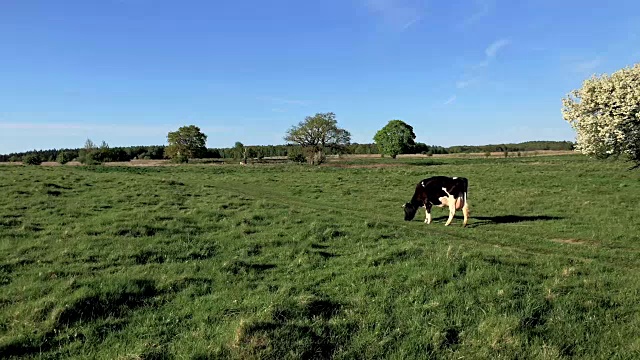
(465, 191)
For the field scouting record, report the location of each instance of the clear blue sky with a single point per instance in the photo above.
(459, 71)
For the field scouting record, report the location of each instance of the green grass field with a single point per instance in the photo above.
(295, 262)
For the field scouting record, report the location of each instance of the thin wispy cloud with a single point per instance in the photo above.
(481, 9)
(450, 100)
(490, 53)
(22, 136)
(399, 14)
(483, 63)
(461, 84)
(128, 130)
(411, 22)
(27, 126)
(586, 66)
(492, 50)
(279, 110)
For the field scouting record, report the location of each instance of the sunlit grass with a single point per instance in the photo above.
(290, 262)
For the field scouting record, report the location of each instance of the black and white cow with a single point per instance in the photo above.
(440, 191)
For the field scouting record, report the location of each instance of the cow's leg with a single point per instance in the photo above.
(427, 210)
(452, 209)
(465, 209)
(465, 213)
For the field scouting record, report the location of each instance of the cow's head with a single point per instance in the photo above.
(409, 211)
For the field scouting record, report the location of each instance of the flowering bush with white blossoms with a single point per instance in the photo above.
(605, 113)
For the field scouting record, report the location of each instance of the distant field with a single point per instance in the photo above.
(298, 262)
(330, 158)
(470, 155)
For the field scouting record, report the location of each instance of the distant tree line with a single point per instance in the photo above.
(109, 154)
(525, 146)
(100, 155)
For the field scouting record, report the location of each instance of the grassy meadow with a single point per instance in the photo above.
(298, 262)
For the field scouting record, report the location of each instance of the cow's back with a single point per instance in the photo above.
(436, 187)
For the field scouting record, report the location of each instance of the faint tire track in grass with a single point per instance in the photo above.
(452, 234)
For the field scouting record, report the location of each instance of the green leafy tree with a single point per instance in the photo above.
(89, 145)
(32, 159)
(87, 155)
(187, 142)
(64, 157)
(102, 154)
(252, 153)
(240, 152)
(259, 152)
(397, 137)
(316, 133)
(605, 113)
(297, 157)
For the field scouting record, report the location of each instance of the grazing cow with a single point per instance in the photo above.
(440, 191)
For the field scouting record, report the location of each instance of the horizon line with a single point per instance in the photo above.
(285, 144)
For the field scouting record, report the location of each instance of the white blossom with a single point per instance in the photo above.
(605, 114)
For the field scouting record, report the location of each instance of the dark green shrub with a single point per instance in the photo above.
(88, 157)
(180, 159)
(64, 157)
(297, 158)
(31, 159)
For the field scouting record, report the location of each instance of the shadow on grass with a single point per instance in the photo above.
(56, 186)
(423, 162)
(510, 219)
(304, 329)
(326, 254)
(239, 267)
(501, 219)
(114, 306)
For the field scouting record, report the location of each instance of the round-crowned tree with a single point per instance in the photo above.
(186, 143)
(605, 113)
(397, 137)
(316, 133)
